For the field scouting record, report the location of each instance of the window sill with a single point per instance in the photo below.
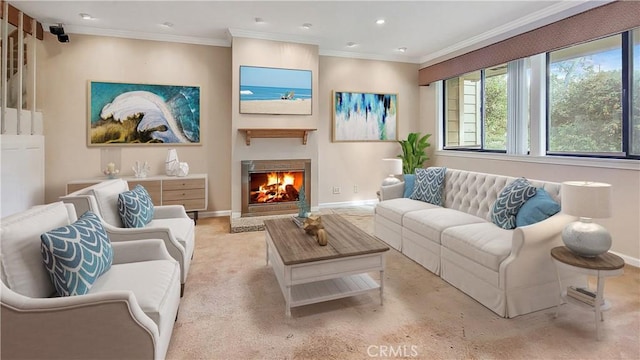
(622, 164)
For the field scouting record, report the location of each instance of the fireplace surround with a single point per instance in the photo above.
(272, 187)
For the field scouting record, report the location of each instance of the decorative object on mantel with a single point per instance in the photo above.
(586, 200)
(313, 226)
(141, 170)
(173, 166)
(111, 171)
(276, 133)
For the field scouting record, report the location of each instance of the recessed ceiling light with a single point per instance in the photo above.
(402, 49)
(167, 24)
(86, 16)
(259, 20)
(306, 26)
(351, 44)
(380, 21)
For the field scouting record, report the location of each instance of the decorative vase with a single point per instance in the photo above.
(172, 164)
(586, 238)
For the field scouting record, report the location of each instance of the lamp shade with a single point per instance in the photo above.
(586, 199)
(392, 166)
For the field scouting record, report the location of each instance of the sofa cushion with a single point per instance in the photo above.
(106, 195)
(20, 258)
(77, 254)
(150, 281)
(483, 243)
(135, 207)
(536, 209)
(511, 198)
(431, 222)
(409, 183)
(429, 184)
(394, 209)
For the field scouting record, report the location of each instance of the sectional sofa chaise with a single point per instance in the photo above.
(508, 271)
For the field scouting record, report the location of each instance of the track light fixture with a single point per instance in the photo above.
(58, 30)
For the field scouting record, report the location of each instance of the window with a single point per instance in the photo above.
(585, 98)
(478, 105)
(635, 94)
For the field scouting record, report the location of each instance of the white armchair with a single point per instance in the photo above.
(170, 222)
(128, 313)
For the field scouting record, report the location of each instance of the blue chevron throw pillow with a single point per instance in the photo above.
(135, 207)
(511, 198)
(428, 185)
(76, 255)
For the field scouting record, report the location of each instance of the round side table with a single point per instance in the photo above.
(601, 266)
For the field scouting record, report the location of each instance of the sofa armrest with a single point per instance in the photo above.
(169, 212)
(106, 325)
(140, 250)
(394, 191)
(530, 252)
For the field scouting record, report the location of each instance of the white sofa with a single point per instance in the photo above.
(170, 223)
(508, 271)
(128, 313)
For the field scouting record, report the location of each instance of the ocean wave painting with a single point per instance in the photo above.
(125, 114)
(275, 91)
(364, 116)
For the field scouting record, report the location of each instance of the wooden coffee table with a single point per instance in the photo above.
(309, 273)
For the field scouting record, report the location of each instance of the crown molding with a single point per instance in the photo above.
(82, 30)
(352, 55)
(537, 19)
(273, 36)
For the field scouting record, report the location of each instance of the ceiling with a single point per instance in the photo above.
(429, 30)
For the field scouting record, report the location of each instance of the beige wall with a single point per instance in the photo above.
(63, 73)
(349, 164)
(624, 225)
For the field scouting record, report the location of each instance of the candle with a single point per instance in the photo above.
(111, 167)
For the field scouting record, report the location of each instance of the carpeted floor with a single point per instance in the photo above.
(233, 309)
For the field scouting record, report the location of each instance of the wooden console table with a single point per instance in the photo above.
(189, 191)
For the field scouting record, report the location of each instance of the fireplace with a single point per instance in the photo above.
(271, 187)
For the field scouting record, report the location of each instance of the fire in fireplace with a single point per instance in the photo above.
(273, 186)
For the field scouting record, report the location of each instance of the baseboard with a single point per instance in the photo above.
(628, 259)
(369, 202)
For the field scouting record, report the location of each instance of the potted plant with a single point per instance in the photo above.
(413, 152)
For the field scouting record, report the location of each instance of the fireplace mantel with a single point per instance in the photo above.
(276, 133)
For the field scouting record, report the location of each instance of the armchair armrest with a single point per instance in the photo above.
(392, 191)
(82, 203)
(107, 325)
(140, 250)
(169, 212)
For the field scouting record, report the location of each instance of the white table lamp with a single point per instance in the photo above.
(392, 167)
(587, 200)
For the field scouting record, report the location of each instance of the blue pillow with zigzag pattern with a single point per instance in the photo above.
(429, 184)
(76, 255)
(135, 207)
(509, 202)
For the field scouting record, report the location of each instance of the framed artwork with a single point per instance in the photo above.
(365, 116)
(141, 114)
(275, 91)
